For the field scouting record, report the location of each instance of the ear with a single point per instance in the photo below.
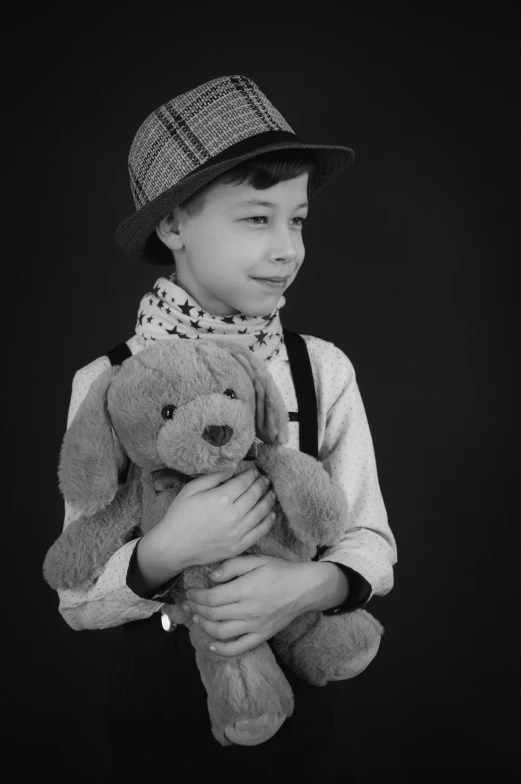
(271, 415)
(88, 471)
(168, 231)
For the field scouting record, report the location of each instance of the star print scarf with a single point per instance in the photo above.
(168, 311)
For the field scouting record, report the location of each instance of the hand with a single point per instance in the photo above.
(266, 595)
(214, 517)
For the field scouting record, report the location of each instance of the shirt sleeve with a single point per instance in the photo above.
(109, 601)
(367, 551)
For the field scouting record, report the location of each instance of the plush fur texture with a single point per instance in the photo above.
(248, 695)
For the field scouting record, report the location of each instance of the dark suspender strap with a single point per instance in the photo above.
(119, 354)
(302, 375)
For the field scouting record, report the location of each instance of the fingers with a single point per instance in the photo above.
(257, 490)
(208, 481)
(261, 509)
(256, 532)
(221, 630)
(229, 638)
(247, 642)
(201, 612)
(240, 484)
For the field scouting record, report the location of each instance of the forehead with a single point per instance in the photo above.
(287, 195)
(183, 370)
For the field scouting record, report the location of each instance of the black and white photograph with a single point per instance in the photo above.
(262, 492)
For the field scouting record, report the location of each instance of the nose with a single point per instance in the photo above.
(285, 250)
(217, 435)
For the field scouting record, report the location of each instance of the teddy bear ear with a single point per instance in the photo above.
(88, 471)
(271, 415)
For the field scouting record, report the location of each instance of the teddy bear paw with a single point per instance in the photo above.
(251, 732)
(357, 664)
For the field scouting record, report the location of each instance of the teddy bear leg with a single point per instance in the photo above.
(333, 648)
(249, 696)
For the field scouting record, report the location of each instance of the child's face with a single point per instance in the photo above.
(223, 253)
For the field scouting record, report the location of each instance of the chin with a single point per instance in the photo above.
(260, 309)
(259, 305)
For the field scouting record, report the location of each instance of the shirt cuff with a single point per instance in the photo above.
(359, 591)
(136, 584)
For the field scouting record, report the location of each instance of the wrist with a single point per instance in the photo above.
(153, 562)
(327, 586)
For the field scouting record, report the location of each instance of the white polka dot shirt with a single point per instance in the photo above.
(345, 450)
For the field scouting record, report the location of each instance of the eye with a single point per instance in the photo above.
(168, 412)
(230, 393)
(257, 218)
(265, 218)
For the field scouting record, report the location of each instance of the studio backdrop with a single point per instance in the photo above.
(408, 269)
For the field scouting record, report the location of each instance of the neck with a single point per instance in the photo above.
(204, 299)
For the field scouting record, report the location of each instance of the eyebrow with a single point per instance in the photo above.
(259, 203)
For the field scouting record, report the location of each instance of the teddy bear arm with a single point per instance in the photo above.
(83, 548)
(314, 504)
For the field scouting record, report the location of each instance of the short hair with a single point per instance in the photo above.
(261, 172)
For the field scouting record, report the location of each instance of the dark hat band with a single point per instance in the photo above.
(246, 146)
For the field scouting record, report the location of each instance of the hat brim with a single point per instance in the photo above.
(133, 232)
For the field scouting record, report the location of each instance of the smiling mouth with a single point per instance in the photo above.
(272, 280)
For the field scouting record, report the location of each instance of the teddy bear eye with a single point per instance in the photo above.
(168, 412)
(230, 393)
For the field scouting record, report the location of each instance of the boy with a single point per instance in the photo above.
(221, 186)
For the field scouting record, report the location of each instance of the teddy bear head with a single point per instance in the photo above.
(194, 406)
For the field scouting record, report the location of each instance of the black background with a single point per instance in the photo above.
(409, 269)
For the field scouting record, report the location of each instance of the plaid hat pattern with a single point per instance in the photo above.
(193, 138)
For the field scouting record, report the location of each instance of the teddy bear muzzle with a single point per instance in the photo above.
(217, 435)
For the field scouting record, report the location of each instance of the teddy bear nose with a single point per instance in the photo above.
(217, 435)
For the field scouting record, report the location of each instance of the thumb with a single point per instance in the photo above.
(234, 567)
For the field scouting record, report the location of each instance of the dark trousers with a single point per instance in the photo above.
(158, 720)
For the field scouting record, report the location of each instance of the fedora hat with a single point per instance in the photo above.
(198, 135)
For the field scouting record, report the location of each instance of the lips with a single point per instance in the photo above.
(273, 280)
(275, 284)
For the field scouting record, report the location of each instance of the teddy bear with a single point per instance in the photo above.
(181, 409)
